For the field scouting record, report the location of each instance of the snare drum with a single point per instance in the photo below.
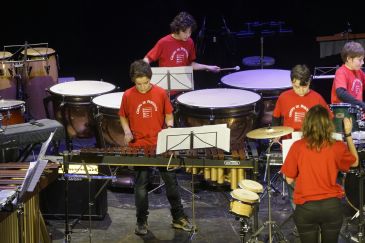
(269, 83)
(42, 74)
(342, 110)
(110, 131)
(243, 202)
(251, 185)
(234, 107)
(72, 105)
(7, 82)
(12, 112)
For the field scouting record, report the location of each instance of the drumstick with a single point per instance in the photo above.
(233, 68)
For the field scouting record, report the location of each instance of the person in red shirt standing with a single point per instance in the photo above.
(145, 110)
(349, 81)
(292, 105)
(177, 48)
(313, 163)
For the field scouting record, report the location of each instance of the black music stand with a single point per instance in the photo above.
(209, 136)
(182, 76)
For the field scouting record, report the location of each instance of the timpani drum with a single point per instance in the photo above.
(234, 107)
(12, 112)
(242, 202)
(109, 130)
(251, 185)
(72, 105)
(42, 70)
(7, 80)
(269, 83)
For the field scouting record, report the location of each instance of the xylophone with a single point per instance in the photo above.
(30, 223)
(216, 164)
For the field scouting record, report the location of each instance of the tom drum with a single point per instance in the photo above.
(72, 105)
(12, 112)
(269, 83)
(109, 129)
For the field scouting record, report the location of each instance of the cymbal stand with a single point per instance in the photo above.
(274, 229)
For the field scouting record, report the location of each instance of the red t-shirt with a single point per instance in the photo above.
(172, 53)
(351, 80)
(145, 113)
(293, 107)
(316, 172)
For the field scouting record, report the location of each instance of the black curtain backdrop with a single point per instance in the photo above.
(97, 41)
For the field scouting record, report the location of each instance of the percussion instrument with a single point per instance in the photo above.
(234, 107)
(342, 110)
(251, 185)
(269, 132)
(7, 81)
(242, 202)
(42, 71)
(72, 105)
(269, 83)
(350, 183)
(12, 112)
(109, 129)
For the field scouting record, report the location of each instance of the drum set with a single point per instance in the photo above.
(24, 76)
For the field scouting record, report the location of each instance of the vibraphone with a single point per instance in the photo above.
(216, 164)
(28, 226)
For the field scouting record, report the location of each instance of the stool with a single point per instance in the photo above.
(255, 61)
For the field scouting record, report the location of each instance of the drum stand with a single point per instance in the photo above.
(274, 229)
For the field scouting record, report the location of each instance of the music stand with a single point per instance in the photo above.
(193, 138)
(173, 78)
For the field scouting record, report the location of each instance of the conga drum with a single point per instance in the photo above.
(42, 71)
(251, 185)
(243, 202)
(72, 105)
(269, 83)
(7, 81)
(109, 130)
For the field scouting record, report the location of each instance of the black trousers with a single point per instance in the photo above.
(325, 216)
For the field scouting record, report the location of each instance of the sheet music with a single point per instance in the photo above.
(181, 78)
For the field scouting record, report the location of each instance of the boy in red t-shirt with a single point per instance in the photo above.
(144, 111)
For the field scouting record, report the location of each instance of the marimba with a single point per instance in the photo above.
(27, 226)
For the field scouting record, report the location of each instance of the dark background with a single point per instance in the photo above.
(99, 40)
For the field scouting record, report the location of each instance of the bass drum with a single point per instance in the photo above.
(351, 187)
(109, 129)
(72, 105)
(269, 83)
(234, 107)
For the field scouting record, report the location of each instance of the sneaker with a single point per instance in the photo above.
(141, 229)
(182, 223)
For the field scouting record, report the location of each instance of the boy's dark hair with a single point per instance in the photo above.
(182, 22)
(139, 69)
(301, 72)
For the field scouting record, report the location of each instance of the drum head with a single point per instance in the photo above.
(39, 51)
(10, 104)
(259, 80)
(111, 100)
(251, 185)
(82, 88)
(218, 98)
(244, 195)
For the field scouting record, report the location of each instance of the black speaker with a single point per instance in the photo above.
(52, 199)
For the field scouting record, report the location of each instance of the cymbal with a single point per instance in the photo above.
(269, 132)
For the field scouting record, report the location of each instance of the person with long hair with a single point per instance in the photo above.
(313, 163)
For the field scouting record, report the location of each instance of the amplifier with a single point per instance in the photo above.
(52, 199)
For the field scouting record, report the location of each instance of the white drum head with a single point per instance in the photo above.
(111, 100)
(8, 104)
(82, 88)
(218, 98)
(39, 51)
(251, 185)
(244, 195)
(260, 79)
